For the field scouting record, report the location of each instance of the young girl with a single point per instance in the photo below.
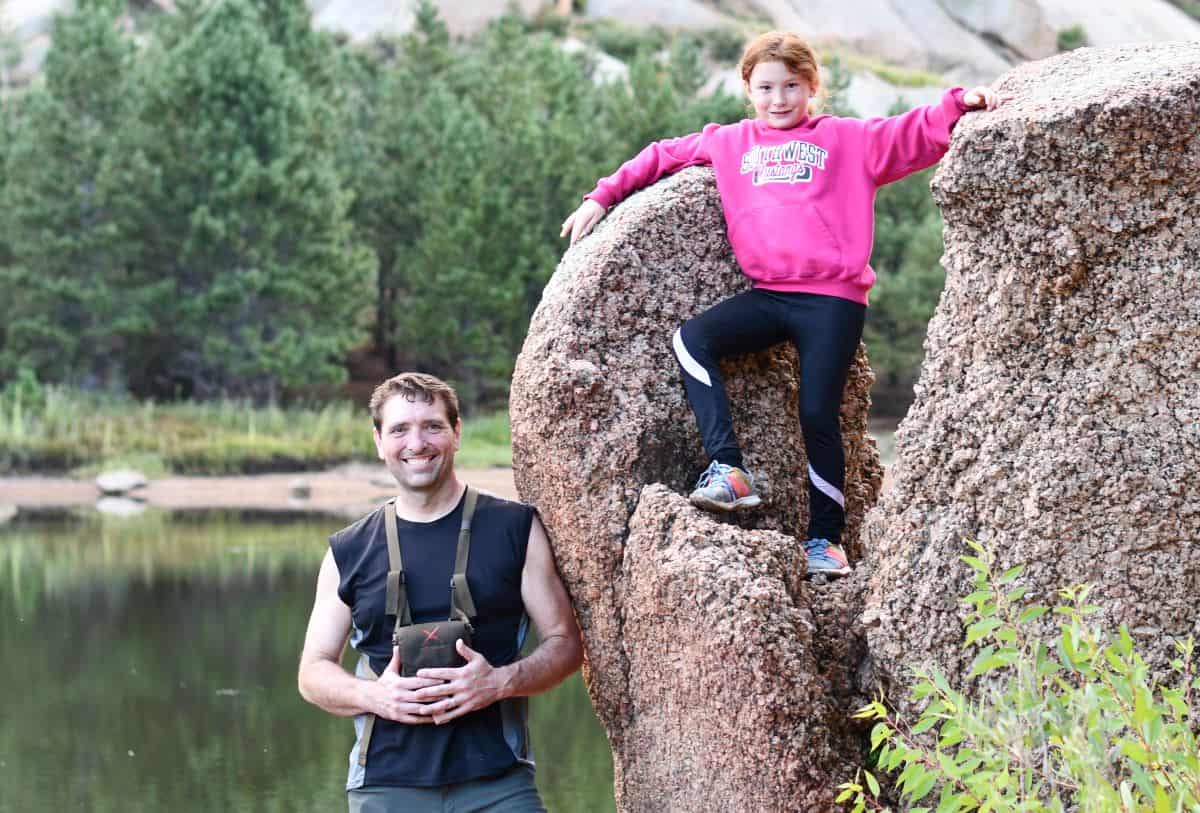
(798, 192)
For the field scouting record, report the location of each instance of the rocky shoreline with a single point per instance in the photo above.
(349, 490)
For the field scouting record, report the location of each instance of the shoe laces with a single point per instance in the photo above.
(816, 547)
(714, 471)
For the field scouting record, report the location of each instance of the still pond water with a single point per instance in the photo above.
(148, 664)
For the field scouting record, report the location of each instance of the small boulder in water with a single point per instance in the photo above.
(120, 482)
(120, 506)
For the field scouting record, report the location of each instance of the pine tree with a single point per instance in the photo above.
(233, 216)
(60, 300)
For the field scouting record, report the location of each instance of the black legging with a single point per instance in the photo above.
(826, 331)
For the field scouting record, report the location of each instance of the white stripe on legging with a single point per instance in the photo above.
(826, 487)
(693, 368)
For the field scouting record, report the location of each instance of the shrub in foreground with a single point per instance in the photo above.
(1077, 723)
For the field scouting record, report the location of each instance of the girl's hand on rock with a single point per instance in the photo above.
(981, 98)
(582, 220)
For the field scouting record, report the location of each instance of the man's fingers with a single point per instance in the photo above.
(416, 684)
(394, 663)
(416, 716)
(566, 227)
(440, 717)
(437, 691)
(466, 651)
(440, 675)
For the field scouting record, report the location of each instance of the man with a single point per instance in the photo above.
(446, 738)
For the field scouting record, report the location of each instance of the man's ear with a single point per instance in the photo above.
(457, 434)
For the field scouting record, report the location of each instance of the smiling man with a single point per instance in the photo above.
(451, 736)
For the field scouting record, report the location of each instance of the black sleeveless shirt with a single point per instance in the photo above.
(483, 743)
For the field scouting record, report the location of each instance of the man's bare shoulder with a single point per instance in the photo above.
(367, 522)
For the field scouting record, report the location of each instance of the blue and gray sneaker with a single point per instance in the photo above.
(826, 558)
(724, 488)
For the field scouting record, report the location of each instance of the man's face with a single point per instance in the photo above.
(417, 442)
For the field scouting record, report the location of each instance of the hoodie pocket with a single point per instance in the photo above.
(786, 243)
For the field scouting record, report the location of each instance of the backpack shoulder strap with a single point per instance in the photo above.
(397, 592)
(462, 606)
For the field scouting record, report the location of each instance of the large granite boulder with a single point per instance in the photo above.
(734, 702)
(598, 412)
(1057, 415)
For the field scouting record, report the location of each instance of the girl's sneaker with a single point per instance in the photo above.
(827, 558)
(724, 488)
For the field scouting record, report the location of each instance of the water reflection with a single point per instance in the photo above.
(149, 664)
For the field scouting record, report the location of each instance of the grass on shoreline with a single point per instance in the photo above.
(72, 431)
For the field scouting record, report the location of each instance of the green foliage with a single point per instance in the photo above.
(10, 53)
(906, 258)
(1189, 7)
(63, 306)
(233, 216)
(907, 261)
(75, 428)
(835, 81)
(1074, 724)
(623, 41)
(47, 427)
(173, 217)
(24, 394)
(1071, 38)
(892, 74)
(232, 204)
(723, 45)
(466, 231)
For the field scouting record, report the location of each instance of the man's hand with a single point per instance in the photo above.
(465, 689)
(395, 697)
(981, 98)
(582, 220)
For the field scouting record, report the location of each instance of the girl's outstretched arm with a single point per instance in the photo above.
(653, 162)
(898, 146)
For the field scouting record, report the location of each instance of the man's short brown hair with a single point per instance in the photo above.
(413, 386)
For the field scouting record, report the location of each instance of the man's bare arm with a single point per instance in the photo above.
(322, 680)
(560, 648)
(559, 651)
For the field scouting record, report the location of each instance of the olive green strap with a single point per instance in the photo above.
(397, 592)
(462, 605)
(364, 744)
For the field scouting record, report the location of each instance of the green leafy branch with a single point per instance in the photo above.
(1078, 724)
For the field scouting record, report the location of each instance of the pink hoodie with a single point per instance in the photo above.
(800, 203)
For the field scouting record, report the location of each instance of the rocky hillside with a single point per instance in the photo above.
(893, 47)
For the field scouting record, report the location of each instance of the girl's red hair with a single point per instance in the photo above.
(785, 47)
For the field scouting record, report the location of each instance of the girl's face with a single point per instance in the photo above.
(780, 97)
